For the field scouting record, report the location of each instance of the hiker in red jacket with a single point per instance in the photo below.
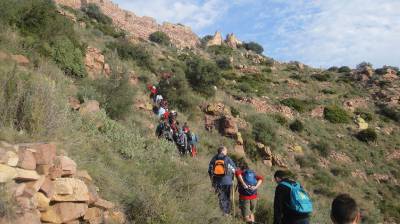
(249, 182)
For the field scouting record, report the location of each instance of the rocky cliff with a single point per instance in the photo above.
(139, 27)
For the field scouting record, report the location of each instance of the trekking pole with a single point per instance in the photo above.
(233, 197)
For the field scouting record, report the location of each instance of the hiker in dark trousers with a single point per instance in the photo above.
(221, 170)
(345, 210)
(249, 182)
(289, 210)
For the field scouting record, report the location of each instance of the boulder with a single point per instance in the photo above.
(43, 169)
(30, 217)
(67, 165)
(296, 149)
(209, 122)
(74, 103)
(216, 40)
(267, 163)
(239, 138)
(93, 195)
(217, 109)
(44, 153)
(278, 161)
(265, 151)
(64, 212)
(232, 41)
(12, 158)
(391, 75)
(112, 217)
(26, 203)
(7, 173)
(95, 63)
(361, 123)
(26, 159)
(89, 107)
(104, 204)
(55, 172)
(26, 175)
(43, 203)
(70, 189)
(20, 59)
(32, 187)
(47, 187)
(94, 216)
(239, 149)
(229, 126)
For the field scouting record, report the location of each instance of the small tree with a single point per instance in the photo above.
(296, 126)
(160, 38)
(336, 115)
(253, 46)
(344, 69)
(203, 75)
(367, 135)
(94, 12)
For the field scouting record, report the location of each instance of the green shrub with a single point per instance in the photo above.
(328, 91)
(220, 50)
(224, 63)
(367, 135)
(333, 69)
(367, 116)
(177, 90)
(204, 40)
(344, 69)
(391, 113)
(253, 46)
(336, 114)
(296, 104)
(235, 112)
(296, 126)
(340, 171)
(282, 120)
(324, 77)
(322, 147)
(265, 130)
(94, 12)
(307, 161)
(203, 75)
(137, 53)
(68, 57)
(160, 38)
(363, 65)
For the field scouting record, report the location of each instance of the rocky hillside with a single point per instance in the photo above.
(75, 73)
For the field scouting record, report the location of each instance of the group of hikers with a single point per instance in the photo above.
(169, 127)
(292, 204)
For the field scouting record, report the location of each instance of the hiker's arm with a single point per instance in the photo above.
(241, 181)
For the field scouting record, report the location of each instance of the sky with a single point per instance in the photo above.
(321, 33)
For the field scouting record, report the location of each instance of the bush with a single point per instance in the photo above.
(220, 50)
(391, 113)
(69, 58)
(324, 77)
(282, 120)
(94, 12)
(235, 112)
(114, 94)
(367, 135)
(296, 126)
(322, 147)
(363, 65)
(296, 104)
(202, 75)
(177, 90)
(253, 46)
(344, 69)
(265, 130)
(137, 53)
(204, 40)
(328, 91)
(333, 69)
(160, 38)
(336, 115)
(224, 63)
(307, 161)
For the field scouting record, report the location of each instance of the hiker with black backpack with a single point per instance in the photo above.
(345, 210)
(221, 170)
(181, 142)
(292, 204)
(249, 182)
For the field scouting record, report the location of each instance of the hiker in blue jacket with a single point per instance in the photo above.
(221, 171)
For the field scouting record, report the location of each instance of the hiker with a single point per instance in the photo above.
(161, 111)
(193, 139)
(153, 90)
(292, 205)
(181, 142)
(157, 100)
(172, 116)
(221, 171)
(249, 182)
(164, 131)
(345, 210)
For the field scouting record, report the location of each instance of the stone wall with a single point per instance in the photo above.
(139, 27)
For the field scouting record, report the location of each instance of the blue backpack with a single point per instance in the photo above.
(249, 177)
(299, 199)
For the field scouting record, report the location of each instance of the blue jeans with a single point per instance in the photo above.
(303, 221)
(224, 196)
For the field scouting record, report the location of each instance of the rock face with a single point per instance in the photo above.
(232, 41)
(216, 40)
(139, 27)
(68, 197)
(95, 64)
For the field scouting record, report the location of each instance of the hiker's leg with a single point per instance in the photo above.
(224, 193)
(253, 206)
(245, 209)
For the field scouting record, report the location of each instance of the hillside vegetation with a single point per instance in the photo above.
(337, 129)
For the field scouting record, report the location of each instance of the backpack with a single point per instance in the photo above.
(299, 200)
(219, 168)
(181, 139)
(249, 177)
(193, 139)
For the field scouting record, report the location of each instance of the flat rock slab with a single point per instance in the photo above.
(70, 189)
